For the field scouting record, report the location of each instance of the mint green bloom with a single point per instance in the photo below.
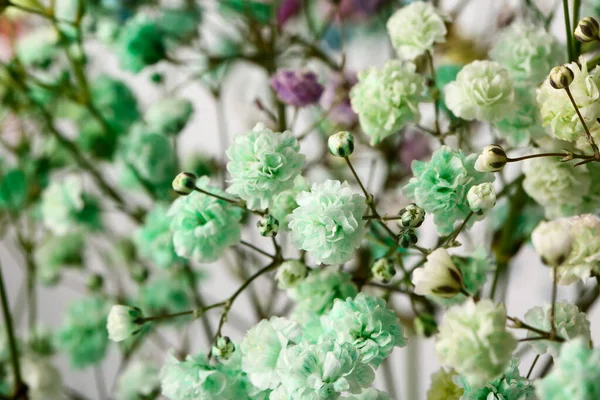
(66, 207)
(262, 347)
(576, 374)
(139, 380)
(202, 225)
(323, 371)
(442, 386)
(387, 98)
(167, 293)
(528, 52)
(369, 394)
(366, 323)
(57, 253)
(140, 44)
(473, 341)
(584, 253)
(440, 186)
(328, 222)
(569, 322)
(154, 239)
(321, 287)
(83, 333)
(169, 116)
(525, 124)
(510, 386)
(262, 164)
(284, 203)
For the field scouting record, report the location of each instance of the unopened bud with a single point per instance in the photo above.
(492, 159)
(184, 183)
(561, 77)
(587, 30)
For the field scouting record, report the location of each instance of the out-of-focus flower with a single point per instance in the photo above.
(123, 322)
(154, 239)
(335, 99)
(290, 273)
(169, 116)
(438, 276)
(138, 380)
(442, 386)
(297, 88)
(140, 44)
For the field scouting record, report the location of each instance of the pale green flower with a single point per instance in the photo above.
(442, 386)
(138, 380)
(557, 111)
(169, 116)
(290, 273)
(584, 258)
(387, 98)
(369, 394)
(328, 222)
(238, 380)
(552, 184)
(440, 186)
(525, 124)
(123, 322)
(415, 28)
(321, 287)
(261, 350)
(166, 293)
(140, 43)
(66, 207)
(473, 341)
(483, 90)
(262, 164)
(43, 379)
(154, 239)
(57, 253)
(285, 202)
(569, 322)
(366, 323)
(83, 334)
(38, 48)
(575, 376)
(510, 386)
(202, 225)
(527, 51)
(323, 371)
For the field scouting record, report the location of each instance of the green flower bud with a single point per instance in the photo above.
(587, 30)
(383, 269)
(184, 183)
(139, 273)
(290, 273)
(492, 159)
(94, 282)
(412, 216)
(41, 342)
(561, 77)
(124, 322)
(425, 325)
(268, 226)
(223, 349)
(408, 239)
(341, 144)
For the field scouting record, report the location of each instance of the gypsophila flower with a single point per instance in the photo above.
(473, 341)
(438, 276)
(570, 323)
(368, 324)
(341, 144)
(154, 239)
(56, 254)
(527, 51)
(482, 198)
(262, 348)
(204, 226)
(440, 186)
(369, 394)
(138, 380)
(483, 90)
(223, 348)
(584, 258)
(321, 287)
(552, 241)
(140, 43)
(510, 386)
(166, 293)
(169, 116)
(284, 203)
(383, 269)
(575, 376)
(296, 88)
(336, 99)
(387, 98)
(262, 164)
(323, 371)
(525, 124)
(328, 222)
(123, 322)
(492, 159)
(290, 273)
(442, 386)
(415, 28)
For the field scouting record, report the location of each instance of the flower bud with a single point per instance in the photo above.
(408, 239)
(223, 349)
(552, 241)
(412, 216)
(184, 183)
(123, 322)
(94, 282)
(425, 325)
(561, 77)
(439, 276)
(341, 144)
(268, 226)
(492, 159)
(290, 273)
(139, 273)
(587, 30)
(383, 270)
(481, 198)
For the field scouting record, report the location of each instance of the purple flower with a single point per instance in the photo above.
(287, 9)
(356, 8)
(335, 99)
(296, 88)
(415, 146)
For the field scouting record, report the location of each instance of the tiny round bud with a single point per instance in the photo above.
(408, 239)
(587, 30)
(184, 183)
(561, 77)
(157, 77)
(41, 342)
(139, 273)
(290, 273)
(223, 348)
(552, 241)
(94, 282)
(383, 269)
(412, 216)
(124, 322)
(268, 226)
(481, 198)
(341, 144)
(492, 159)
(425, 325)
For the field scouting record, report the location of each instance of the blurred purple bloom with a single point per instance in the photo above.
(415, 146)
(296, 88)
(350, 8)
(335, 97)
(287, 9)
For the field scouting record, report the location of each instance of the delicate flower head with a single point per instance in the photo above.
(526, 123)
(202, 225)
(570, 323)
(56, 254)
(510, 386)
(123, 322)
(290, 273)
(482, 198)
(527, 51)
(483, 90)
(262, 164)
(438, 276)
(369, 394)
(473, 341)
(383, 269)
(584, 258)
(140, 43)
(262, 348)
(154, 239)
(443, 387)
(415, 28)
(552, 241)
(440, 186)
(387, 98)
(296, 88)
(575, 376)
(169, 116)
(336, 100)
(368, 324)
(138, 380)
(321, 287)
(328, 222)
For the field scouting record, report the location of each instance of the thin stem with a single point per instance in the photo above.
(570, 44)
(196, 312)
(253, 247)
(522, 325)
(435, 99)
(588, 135)
(460, 228)
(576, 10)
(383, 218)
(535, 360)
(508, 159)
(222, 131)
(8, 323)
